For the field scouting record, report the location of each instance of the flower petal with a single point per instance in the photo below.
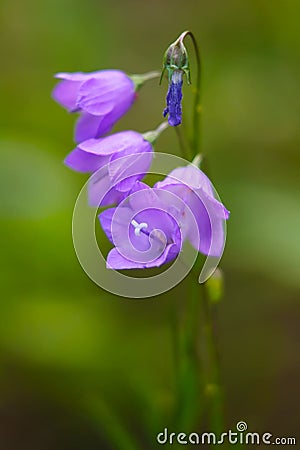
(117, 262)
(125, 171)
(65, 93)
(75, 76)
(148, 198)
(87, 126)
(84, 161)
(170, 253)
(174, 97)
(189, 175)
(101, 192)
(210, 217)
(100, 95)
(106, 222)
(95, 98)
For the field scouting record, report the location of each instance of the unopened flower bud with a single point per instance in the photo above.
(176, 62)
(176, 58)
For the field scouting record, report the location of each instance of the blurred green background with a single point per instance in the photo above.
(76, 360)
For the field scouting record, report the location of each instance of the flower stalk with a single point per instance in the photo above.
(140, 79)
(212, 386)
(197, 106)
(198, 383)
(152, 136)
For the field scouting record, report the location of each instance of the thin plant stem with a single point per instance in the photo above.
(188, 386)
(183, 146)
(197, 347)
(212, 388)
(198, 387)
(197, 106)
(109, 423)
(210, 366)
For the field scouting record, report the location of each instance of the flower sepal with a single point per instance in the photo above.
(176, 58)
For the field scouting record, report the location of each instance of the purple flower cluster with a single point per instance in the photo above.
(147, 226)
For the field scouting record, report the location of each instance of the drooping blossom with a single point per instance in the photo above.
(142, 230)
(101, 98)
(195, 204)
(174, 97)
(176, 62)
(117, 161)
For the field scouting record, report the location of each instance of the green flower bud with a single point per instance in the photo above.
(176, 58)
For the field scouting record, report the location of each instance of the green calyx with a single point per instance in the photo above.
(176, 58)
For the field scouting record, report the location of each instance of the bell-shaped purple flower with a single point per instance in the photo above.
(196, 204)
(101, 97)
(174, 97)
(142, 230)
(117, 162)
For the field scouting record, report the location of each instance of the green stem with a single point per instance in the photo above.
(197, 105)
(198, 383)
(212, 387)
(187, 384)
(153, 135)
(185, 152)
(109, 424)
(140, 79)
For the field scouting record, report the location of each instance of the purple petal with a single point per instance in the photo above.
(189, 175)
(76, 76)
(147, 198)
(100, 95)
(84, 161)
(106, 222)
(158, 219)
(125, 171)
(174, 97)
(87, 127)
(131, 157)
(92, 154)
(139, 186)
(158, 240)
(162, 230)
(96, 97)
(116, 222)
(117, 262)
(200, 215)
(168, 255)
(101, 192)
(65, 93)
(119, 143)
(125, 141)
(210, 217)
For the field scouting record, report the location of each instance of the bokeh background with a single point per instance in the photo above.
(76, 362)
